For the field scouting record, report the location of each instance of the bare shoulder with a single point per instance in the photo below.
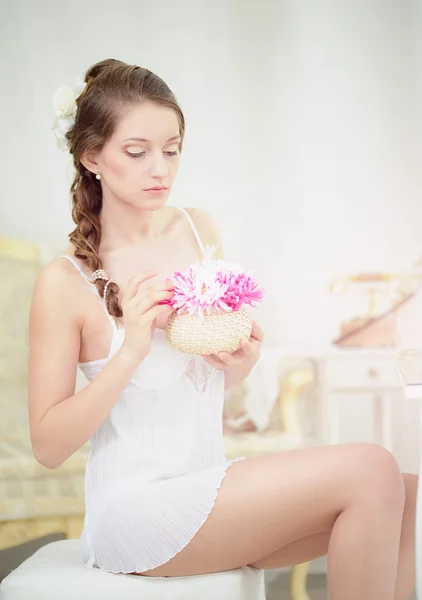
(56, 275)
(207, 228)
(58, 284)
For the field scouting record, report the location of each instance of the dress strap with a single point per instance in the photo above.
(194, 229)
(92, 287)
(79, 268)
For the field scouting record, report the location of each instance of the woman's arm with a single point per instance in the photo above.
(61, 421)
(237, 365)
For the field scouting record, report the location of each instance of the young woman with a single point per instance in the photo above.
(161, 498)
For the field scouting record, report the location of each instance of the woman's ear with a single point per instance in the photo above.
(89, 161)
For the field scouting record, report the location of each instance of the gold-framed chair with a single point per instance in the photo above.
(286, 435)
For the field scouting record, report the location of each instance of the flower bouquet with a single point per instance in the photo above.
(209, 315)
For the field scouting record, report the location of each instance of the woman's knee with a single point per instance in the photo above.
(377, 476)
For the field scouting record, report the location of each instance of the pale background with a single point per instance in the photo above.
(303, 139)
(303, 130)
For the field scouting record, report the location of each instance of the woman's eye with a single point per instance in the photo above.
(135, 151)
(172, 150)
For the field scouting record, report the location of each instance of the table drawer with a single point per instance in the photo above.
(361, 372)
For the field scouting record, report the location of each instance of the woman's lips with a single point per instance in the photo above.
(156, 190)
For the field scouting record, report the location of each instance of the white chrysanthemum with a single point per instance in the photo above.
(65, 108)
(64, 101)
(79, 86)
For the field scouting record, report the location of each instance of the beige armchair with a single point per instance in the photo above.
(284, 433)
(34, 501)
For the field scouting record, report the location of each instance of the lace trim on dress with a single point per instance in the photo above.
(199, 373)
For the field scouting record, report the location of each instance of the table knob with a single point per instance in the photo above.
(373, 372)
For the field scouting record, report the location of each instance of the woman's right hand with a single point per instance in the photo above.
(140, 311)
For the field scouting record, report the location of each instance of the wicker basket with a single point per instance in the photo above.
(210, 334)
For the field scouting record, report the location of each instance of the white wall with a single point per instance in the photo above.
(348, 145)
(303, 131)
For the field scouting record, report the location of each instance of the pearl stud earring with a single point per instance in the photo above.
(97, 176)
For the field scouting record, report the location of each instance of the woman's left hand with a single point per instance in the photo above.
(243, 358)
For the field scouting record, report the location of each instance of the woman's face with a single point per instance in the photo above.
(138, 164)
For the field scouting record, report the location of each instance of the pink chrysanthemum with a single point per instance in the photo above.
(213, 286)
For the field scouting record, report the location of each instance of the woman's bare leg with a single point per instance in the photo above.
(301, 551)
(406, 574)
(315, 546)
(354, 491)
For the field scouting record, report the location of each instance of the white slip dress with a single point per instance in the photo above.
(155, 465)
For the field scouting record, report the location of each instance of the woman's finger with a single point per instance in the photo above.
(229, 359)
(154, 312)
(257, 332)
(150, 299)
(151, 289)
(134, 283)
(247, 347)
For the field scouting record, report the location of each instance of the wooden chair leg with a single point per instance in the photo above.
(298, 582)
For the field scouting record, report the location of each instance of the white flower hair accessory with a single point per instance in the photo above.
(65, 109)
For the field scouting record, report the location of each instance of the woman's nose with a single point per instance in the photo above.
(158, 165)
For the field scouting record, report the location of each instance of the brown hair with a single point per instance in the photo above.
(110, 85)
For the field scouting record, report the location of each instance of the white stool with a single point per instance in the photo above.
(56, 571)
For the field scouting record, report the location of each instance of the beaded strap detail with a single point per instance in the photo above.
(101, 274)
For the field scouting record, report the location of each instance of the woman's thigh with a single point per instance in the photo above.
(270, 502)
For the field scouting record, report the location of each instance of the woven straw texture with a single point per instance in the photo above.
(210, 334)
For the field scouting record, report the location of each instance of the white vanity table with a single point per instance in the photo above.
(346, 372)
